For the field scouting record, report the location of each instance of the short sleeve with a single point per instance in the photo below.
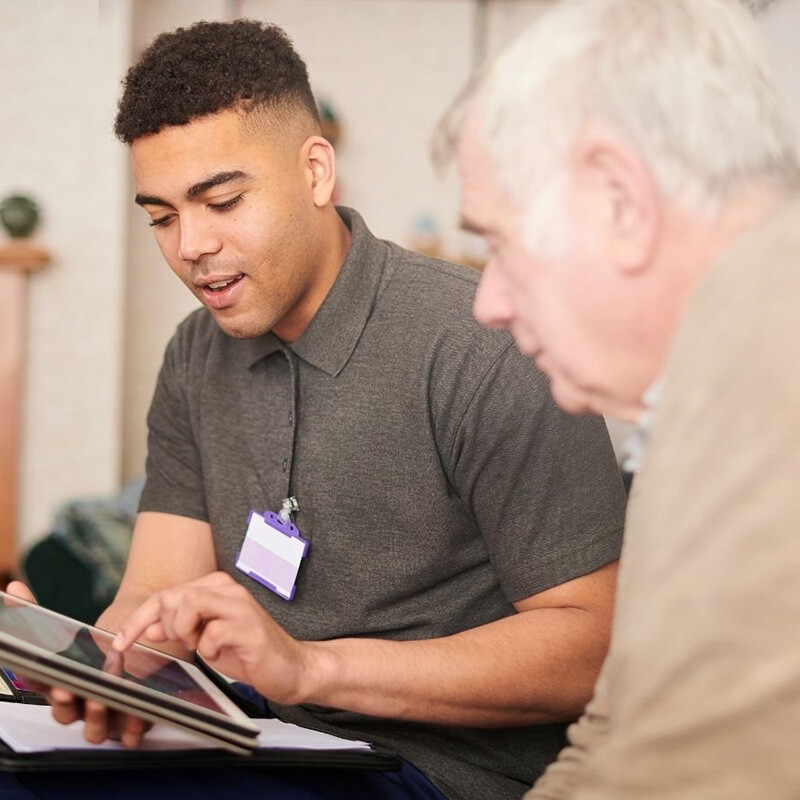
(543, 486)
(174, 478)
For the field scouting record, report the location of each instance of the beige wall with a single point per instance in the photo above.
(59, 65)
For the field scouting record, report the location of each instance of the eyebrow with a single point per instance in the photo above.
(194, 190)
(466, 224)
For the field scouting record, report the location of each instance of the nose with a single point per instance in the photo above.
(197, 238)
(492, 306)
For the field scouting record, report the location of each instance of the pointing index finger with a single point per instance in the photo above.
(137, 623)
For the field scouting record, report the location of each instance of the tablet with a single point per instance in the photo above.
(61, 651)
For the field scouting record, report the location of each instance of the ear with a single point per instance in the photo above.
(319, 162)
(621, 191)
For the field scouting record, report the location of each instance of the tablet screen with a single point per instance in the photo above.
(84, 644)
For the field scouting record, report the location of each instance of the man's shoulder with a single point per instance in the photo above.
(432, 293)
(432, 277)
(431, 300)
(423, 315)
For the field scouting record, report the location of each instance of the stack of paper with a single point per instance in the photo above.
(32, 729)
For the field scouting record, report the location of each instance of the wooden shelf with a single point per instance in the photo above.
(22, 256)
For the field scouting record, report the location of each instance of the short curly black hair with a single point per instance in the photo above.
(210, 67)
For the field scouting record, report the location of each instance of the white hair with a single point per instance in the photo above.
(684, 82)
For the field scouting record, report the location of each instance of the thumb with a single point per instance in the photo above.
(19, 589)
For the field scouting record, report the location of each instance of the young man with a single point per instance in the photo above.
(631, 166)
(455, 599)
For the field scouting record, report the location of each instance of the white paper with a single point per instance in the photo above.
(32, 729)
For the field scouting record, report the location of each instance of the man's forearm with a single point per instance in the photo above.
(564, 776)
(148, 571)
(535, 667)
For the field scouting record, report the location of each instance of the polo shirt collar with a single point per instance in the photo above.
(260, 347)
(332, 335)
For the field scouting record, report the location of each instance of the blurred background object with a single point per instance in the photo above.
(331, 127)
(76, 568)
(425, 236)
(19, 215)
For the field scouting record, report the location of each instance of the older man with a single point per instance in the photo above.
(631, 168)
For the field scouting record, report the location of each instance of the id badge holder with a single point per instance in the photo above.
(272, 552)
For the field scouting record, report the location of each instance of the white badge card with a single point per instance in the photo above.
(271, 552)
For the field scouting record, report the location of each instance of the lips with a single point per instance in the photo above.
(221, 292)
(217, 285)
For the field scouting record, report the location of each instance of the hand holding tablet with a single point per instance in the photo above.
(140, 681)
(100, 722)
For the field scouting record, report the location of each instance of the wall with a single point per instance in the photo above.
(780, 23)
(59, 65)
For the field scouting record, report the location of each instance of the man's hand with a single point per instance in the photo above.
(101, 723)
(225, 624)
(19, 589)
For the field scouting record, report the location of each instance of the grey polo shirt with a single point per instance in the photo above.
(437, 481)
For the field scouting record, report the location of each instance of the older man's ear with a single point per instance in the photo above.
(618, 197)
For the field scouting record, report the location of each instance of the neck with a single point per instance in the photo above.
(698, 241)
(330, 250)
(690, 246)
(746, 210)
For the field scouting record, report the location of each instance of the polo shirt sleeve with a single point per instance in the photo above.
(174, 478)
(542, 485)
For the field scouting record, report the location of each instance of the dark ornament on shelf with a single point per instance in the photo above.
(329, 121)
(19, 215)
